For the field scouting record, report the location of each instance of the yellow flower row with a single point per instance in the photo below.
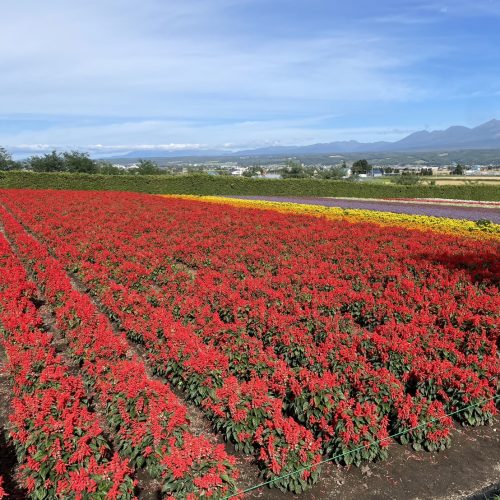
(420, 222)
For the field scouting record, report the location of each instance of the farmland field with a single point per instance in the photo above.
(460, 181)
(297, 337)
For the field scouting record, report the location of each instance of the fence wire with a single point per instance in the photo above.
(391, 437)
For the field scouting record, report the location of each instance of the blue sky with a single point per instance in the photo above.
(113, 75)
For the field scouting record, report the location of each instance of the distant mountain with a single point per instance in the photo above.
(172, 153)
(321, 148)
(485, 136)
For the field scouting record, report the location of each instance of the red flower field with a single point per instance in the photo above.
(300, 339)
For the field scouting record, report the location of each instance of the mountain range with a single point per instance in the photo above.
(485, 136)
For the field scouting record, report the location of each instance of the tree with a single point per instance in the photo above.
(361, 167)
(50, 162)
(6, 161)
(293, 170)
(407, 179)
(148, 167)
(458, 170)
(253, 171)
(106, 168)
(335, 172)
(75, 161)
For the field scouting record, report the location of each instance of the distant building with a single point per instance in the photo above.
(473, 170)
(238, 171)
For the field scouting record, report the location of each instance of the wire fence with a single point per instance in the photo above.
(354, 450)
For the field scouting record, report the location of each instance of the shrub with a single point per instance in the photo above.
(201, 184)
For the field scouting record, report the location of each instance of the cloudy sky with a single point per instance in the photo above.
(114, 75)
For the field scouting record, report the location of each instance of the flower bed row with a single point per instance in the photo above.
(421, 222)
(445, 201)
(399, 316)
(59, 441)
(320, 399)
(281, 445)
(352, 341)
(147, 421)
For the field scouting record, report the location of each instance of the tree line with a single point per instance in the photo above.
(296, 170)
(74, 162)
(78, 162)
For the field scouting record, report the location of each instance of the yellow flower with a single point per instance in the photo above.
(419, 222)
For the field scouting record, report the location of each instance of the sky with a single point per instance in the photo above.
(110, 76)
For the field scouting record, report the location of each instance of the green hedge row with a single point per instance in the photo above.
(226, 185)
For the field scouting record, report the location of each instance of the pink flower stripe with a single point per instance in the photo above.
(445, 202)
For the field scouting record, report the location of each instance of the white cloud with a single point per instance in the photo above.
(176, 59)
(462, 8)
(188, 75)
